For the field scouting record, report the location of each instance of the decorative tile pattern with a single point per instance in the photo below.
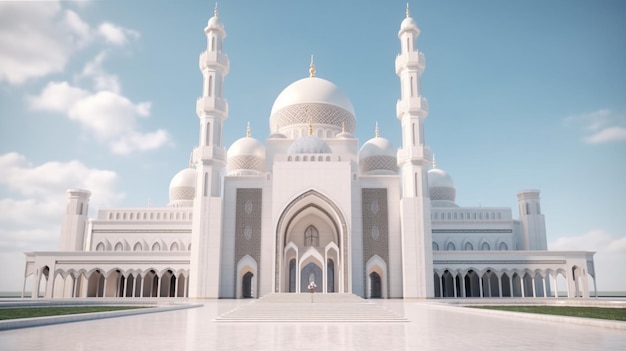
(245, 162)
(248, 225)
(315, 113)
(375, 224)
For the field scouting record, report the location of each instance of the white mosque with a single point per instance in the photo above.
(308, 205)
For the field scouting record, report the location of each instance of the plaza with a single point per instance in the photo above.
(428, 325)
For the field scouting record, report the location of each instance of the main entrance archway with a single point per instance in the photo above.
(310, 246)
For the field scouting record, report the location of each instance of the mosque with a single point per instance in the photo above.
(308, 206)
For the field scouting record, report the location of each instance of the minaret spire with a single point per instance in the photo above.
(215, 9)
(312, 68)
(408, 10)
(248, 130)
(377, 132)
(434, 162)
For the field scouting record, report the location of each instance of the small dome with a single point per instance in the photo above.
(309, 145)
(378, 156)
(408, 23)
(344, 135)
(441, 188)
(377, 147)
(312, 100)
(183, 188)
(247, 146)
(246, 156)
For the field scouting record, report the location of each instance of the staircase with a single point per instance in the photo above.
(305, 307)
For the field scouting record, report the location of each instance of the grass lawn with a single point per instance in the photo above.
(30, 312)
(615, 314)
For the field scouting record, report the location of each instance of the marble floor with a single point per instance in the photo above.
(430, 326)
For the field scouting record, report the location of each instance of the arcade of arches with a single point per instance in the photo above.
(114, 283)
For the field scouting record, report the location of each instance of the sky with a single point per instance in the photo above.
(523, 95)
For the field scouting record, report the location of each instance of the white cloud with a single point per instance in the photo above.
(601, 126)
(39, 38)
(609, 259)
(607, 135)
(101, 79)
(115, 34)
(109, 116)
(31, 215)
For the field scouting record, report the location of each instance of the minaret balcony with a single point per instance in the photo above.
(417, 156)
(411, 60)
(214, 59)
(214, 153)
(417, 105)
(211, 104)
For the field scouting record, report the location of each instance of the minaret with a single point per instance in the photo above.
(210, 159)
(414, 160)
(75, 220)
(533, 223)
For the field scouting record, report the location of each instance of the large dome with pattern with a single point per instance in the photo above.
(313, 101)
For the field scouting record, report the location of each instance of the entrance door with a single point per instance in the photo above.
(246, 285)
(311, 273)
(376, 291)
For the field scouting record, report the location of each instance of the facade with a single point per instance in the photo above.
(308, 205)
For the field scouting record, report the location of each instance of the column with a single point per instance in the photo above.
(125, 286)
(141, 289)
(176, 287)
(134, 286)
(523, 286)
(158, 292)
(480, 286)
(556, 288)
(104, 288)
(534, 287)
(500, 286)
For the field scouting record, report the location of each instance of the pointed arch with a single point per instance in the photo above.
(376, 273)
(312, 199)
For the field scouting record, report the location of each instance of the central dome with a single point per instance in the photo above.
(316, 101)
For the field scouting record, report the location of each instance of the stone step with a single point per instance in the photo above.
(298, 307)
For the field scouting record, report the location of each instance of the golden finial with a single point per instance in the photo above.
(343, 127)
(377, 132)
(434, 162)
(215, 9)
(408, 11)
(248, 130)
(310, 127)
(312, 68)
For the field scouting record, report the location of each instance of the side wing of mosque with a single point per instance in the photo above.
(308, 206)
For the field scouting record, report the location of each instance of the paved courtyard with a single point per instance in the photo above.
(429, 325)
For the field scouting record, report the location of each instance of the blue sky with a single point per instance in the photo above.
(526, 94)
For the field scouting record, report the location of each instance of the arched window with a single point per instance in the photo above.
(450, 247)
(503, 247)
(174, 246)
(156, 247)
(485, 247)
(118, 247)
(137, 247)
(435, 246)
(210, 87)
(100, 247)
(311, 236)
(469, 247)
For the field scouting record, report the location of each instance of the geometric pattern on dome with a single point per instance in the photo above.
(442, 193)
(182, 193)
(245, 162)
(314, 113)
(378, 162)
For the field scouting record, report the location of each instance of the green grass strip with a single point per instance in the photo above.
(614, 314)
(30, 312)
